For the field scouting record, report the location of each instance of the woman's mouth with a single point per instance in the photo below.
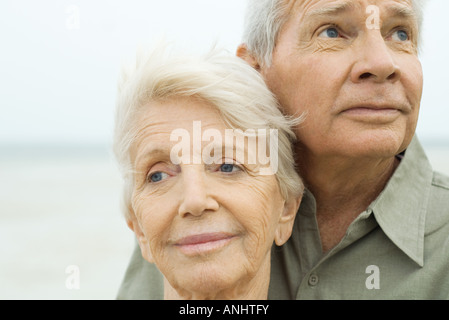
(205, 243)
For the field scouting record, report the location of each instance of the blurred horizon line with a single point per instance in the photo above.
(105, 148)
(56, 149)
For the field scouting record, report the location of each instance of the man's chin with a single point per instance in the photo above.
(376, 146)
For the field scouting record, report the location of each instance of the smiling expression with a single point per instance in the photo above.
(206, 226)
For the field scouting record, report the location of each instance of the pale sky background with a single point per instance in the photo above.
(58, 77)
(58, 87)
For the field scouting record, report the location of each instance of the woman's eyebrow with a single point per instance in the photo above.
(227, 149)
(149, 153)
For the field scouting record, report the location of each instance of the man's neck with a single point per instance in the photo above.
(343, 188)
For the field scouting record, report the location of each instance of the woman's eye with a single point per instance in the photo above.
(157, 176)
(228, 167)
(400, 35)
(331, 32)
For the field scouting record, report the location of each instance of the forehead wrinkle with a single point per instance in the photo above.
(144, 136)
(398, 10)
(151, 152)
(330, 10)
(402, 11)
(226, 146)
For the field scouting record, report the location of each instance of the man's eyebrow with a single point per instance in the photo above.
(401, 12)
(398, 11)
(331, 10)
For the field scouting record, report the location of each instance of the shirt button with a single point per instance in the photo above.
(313, 280)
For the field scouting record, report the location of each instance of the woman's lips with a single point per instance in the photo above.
(203, 243)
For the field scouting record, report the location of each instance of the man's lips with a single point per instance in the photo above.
(373, 113)
(375, 107)
(203, 243)
(364, 109)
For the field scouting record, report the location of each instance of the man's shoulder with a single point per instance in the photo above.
(142, 281)
(437, 219)
(441, 180)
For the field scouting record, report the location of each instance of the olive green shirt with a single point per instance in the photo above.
(398, 248)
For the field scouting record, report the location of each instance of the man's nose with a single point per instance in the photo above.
(196, 194)
(375, 61)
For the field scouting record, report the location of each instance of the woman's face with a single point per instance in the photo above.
(207, 227)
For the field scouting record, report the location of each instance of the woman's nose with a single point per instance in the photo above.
(375, 61)
(196, 194)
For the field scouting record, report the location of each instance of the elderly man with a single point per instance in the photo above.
(374, 222)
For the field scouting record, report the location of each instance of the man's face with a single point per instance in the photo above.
(352, 67)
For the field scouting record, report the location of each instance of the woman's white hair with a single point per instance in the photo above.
(226, 82)
(265, 18)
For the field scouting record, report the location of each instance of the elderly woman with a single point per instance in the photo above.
(205, 208)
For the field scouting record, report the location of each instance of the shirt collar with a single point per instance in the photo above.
(400, 209)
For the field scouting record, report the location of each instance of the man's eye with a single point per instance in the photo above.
(157, 176)
(331, 32)
(400, 35)
(229, 167)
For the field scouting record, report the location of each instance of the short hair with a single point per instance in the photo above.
(224, 81)
(265, 18)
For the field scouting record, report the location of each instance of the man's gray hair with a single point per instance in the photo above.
(265, 18)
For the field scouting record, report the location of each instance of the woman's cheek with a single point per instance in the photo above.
(152, 223)
(271, 203)
(258, 231)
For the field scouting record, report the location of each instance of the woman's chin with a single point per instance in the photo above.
(206, 281)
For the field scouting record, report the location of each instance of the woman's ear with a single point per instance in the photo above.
(144, 245)
(243, 52)
(286, 221)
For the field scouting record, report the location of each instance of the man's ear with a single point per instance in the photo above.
(286, 221)
(144, 245)
(245, 54)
